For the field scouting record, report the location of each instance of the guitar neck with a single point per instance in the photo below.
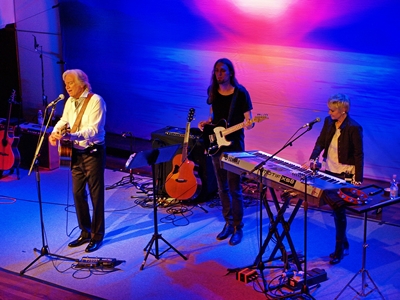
(234, 128)
(185, 142)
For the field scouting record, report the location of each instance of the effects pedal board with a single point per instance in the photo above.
(94, 262)
(246, 275)
(314, 276)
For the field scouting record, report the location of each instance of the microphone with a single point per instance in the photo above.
(35, 44)
(60, 97)
(312, 123)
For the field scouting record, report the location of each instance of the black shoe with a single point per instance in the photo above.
(93, 246)
(236, 237)
(78, 242)
(346, 251)
(336, 259)
(226, 232)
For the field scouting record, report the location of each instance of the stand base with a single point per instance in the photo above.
(157, 255)
(44, 252)
(362, 293)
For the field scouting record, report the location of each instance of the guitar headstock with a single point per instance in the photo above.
(260, 117)
(12, 97)
(191, 115)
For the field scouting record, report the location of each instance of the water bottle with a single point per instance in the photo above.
(40, 117)
(394, 189)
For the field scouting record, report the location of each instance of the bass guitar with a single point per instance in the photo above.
(9, 154)
(215, 134)
(183, 183)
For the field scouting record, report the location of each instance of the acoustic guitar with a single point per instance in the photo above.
(215, 135)
(9, 154)
(65, 149)
(183, 182)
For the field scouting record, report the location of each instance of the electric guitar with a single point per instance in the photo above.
(215, 134)
(65, 149)
(183, 183)
(9, 154)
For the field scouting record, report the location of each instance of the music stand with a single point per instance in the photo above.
(375, 202)
(44, 251)
(151, 158)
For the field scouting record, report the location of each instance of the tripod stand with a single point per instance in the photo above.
(44, 251)
(376, 201)
(151, 158)
(129, 179)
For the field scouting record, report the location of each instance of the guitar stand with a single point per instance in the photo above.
(153, 157)
(189, 202)
(35, 164)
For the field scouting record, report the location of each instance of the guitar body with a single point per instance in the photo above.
(6, 152)
(214, 135)
(65, 152)
(214, 138)
(17, 156)
(182, 183)
(8, 148)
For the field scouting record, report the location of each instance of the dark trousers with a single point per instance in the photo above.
(339, 214)
(230, 194)
(88, 171)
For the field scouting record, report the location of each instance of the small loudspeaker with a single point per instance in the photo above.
(28, 140)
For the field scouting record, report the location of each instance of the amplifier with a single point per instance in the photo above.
(170, 135)
(49, 156)
(180, 132)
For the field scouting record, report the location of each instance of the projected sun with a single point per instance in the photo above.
(265, 8)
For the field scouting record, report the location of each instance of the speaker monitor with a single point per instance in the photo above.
(171, 136)
(49, 157)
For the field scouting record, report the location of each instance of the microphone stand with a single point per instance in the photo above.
(44, 251)
(36, 46)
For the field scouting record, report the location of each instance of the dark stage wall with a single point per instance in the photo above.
(8, 72)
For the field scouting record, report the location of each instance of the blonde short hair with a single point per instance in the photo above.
(340, 101)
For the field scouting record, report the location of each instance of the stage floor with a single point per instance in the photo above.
(190, 229)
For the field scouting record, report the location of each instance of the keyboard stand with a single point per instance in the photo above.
(274, 232)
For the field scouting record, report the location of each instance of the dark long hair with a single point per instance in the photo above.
(213, 88)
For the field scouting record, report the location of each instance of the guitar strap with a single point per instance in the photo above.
(79, 117)
(233, 103)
